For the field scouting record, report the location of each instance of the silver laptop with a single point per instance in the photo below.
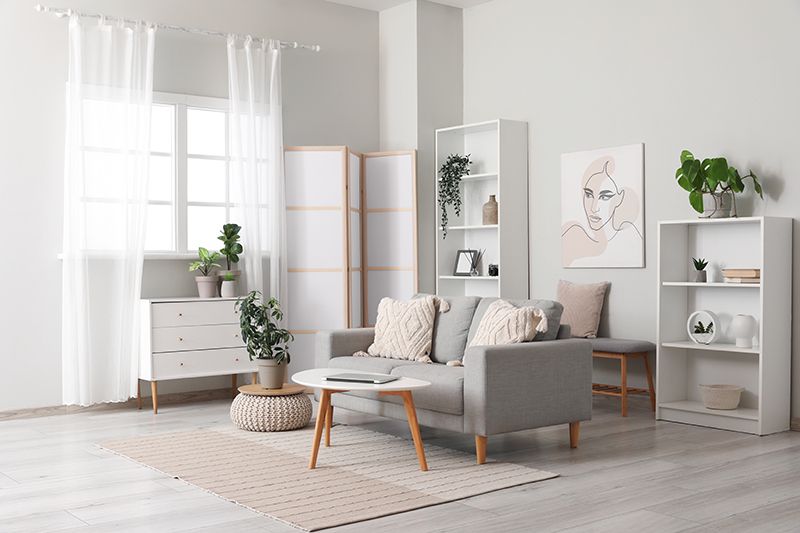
(376, 379)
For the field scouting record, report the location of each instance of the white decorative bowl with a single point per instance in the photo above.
(721, 396)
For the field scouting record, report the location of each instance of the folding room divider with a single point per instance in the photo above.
(352, 233)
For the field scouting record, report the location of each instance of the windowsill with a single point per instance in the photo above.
(151, 256)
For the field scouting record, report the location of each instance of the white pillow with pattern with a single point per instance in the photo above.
(404, 329)
(505, 323)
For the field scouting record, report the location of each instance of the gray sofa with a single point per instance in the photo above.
(499, 389)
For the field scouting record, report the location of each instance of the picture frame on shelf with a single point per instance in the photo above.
(465, 259)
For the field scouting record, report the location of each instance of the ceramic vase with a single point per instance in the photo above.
(490, 211)
(743, 328)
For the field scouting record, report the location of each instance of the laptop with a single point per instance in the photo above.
(375, 379)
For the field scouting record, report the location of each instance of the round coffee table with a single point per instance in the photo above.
(258, 409)
(401, 387)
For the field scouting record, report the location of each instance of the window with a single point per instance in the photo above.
(189, 194)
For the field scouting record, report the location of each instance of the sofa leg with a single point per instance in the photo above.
(574, 434)
(480, 448)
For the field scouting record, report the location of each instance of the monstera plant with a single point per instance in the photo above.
(713, 184)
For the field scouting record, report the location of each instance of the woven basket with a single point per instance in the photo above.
(721, 396)
(271, 413)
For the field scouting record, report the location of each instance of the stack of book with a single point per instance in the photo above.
(742, 275)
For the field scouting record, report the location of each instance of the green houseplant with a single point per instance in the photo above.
(207, 280)
(266, 342)
(450, 174)
(700, 270)
(713, 184)
(231, 247)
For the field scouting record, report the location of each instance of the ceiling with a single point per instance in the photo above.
(380, 5)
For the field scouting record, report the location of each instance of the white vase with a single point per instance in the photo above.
(206, 286)
(228, 289)
(271, 374)
(743, 328)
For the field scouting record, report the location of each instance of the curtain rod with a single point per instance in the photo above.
(59, 12)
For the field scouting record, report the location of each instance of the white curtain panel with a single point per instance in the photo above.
(256, 149)
(109, 96)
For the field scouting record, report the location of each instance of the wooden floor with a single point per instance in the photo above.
(628, 474)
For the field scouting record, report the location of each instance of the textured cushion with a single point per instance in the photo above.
(605, 344)
(404, 329)
(552, 310)
(450, 328)
(582, 306)
(378, 365)
(505, 323)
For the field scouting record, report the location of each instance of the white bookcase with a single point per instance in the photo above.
(764, 370)
(499, 153)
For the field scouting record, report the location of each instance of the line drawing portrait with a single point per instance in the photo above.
(602, 208)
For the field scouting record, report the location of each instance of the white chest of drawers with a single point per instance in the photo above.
(189, 338)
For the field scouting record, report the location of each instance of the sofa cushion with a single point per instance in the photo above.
(379, 365)
(552, 310)
(583, 304)
(404, 329)
(505, 323)
(446, 393)
(450, 328)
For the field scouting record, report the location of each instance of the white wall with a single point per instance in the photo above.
(398, 77)
(329, 98)
(716, 77)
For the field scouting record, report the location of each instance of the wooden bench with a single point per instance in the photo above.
(623, 350)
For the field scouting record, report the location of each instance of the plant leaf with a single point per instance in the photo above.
(696, 200)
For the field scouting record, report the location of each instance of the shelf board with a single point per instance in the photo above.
(695, 221)
(463, 228)
(705, 284)
(480, 177)
(698, 407)
(471, 278)
(713, 347)
(475, 127)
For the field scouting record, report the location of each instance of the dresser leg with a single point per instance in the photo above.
(139, 394)
(233, 385)
(154, 392)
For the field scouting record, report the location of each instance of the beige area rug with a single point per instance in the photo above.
(363, 474)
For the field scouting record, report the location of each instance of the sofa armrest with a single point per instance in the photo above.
(341, 342)
(514, 387)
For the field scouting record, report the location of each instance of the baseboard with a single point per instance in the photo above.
(163, 399)
(795, 424)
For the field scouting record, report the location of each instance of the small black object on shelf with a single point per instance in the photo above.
(494, 270)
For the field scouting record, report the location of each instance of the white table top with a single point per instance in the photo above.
(313, 378)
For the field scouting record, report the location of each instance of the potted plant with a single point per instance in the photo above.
(712, 185)
(228, 288)
(207, 280)
(453, 169)
(266, 342)
(703, 334)
(231, 249)
(700, 270)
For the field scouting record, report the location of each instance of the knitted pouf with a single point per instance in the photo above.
(270, 413)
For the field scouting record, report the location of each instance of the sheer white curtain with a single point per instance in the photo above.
(109, 96)
(256, 149)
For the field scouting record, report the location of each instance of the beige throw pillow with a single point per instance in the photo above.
(582, 306)
(404, 329)
(505, 323)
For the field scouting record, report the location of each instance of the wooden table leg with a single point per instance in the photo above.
(328, 424)
(139, 394)
(324, 402)
(411, 414)
(154, 393)
(650, 382)
(623, 365)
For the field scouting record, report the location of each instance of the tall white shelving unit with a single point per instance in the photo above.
(764, 370)
(499, 152)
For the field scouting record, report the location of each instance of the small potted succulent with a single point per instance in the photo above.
(700, 275)
(207, 280)
(267, 343)
(228, 287)
(231, 250)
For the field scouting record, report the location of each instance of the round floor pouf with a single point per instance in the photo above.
(257, 409)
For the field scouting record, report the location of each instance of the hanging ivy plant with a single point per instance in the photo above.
(453, 169)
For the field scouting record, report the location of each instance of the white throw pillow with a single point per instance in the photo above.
(404, 329)
(505, 323)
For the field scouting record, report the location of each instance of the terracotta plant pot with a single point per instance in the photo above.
(271, 374)
(206, 286)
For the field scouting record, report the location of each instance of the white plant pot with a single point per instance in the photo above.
(206, 286)
(271, 374)
(700, 276)
(718, 205)
(228, 289)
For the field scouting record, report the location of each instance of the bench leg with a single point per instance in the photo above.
(650, 386)
(574, 434)
(623, 366)
(480, 449)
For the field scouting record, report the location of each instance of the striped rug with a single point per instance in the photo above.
(363, 474)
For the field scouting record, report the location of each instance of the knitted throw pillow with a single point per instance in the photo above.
(404, 329)
(505, 323)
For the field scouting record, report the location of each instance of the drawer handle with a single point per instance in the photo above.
(181, 364)
(180, 339)
(180, 314)
(235, 334)
(237, 359)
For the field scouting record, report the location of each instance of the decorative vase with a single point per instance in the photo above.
(271, 374)
(700, 276)
(206, 286)
(743, 328)
(717, 205)
(228, 289)
(490, 211)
